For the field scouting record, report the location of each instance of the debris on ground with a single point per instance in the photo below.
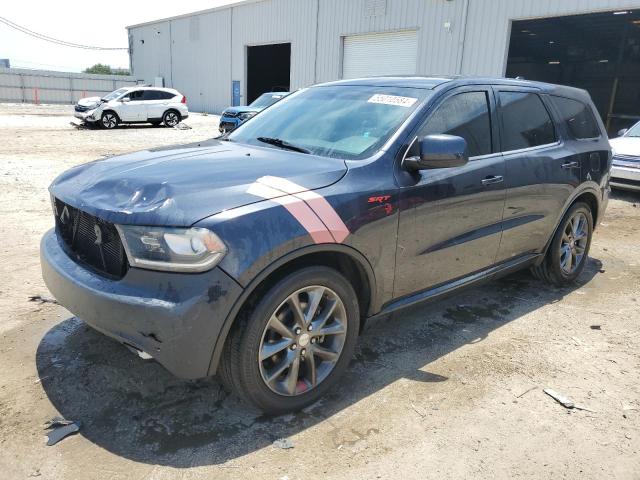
(283, 443)
(41, 299)
(596, 327)
(566, 401)
(182, 126)
(61, 428)
(418, 411)
(561, 399)
(79, 126)
(525, 392)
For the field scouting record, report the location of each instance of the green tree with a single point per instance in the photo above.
(102, 69)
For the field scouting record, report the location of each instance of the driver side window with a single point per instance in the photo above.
(464, 115)
(133, 96)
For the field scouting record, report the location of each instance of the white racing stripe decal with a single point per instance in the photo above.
(308, 207)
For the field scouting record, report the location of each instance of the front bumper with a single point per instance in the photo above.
(624, 177)
(175, 318)
(85, 116)
(228, 124)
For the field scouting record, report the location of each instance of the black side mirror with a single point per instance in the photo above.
(622, 132)
(439, 151)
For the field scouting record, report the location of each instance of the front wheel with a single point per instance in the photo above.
(171, 118)
(295, 343)
(569, 249)
(109, 120)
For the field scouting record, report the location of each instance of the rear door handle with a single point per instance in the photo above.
(570, 165)
(492, 180)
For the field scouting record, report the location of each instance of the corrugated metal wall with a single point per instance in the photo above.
(489, 26)
(203, 69)
(43, 86)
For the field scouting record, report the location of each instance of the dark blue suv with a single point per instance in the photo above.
(260, 256)
(232, 117)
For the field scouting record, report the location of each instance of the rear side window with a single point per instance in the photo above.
(162, 95)
(525, 121)
(151, 95)
(465, 115)
(578, 117)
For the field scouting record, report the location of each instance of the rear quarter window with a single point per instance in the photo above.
(578, 118)
(526, 123)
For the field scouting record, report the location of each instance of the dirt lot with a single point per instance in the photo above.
(449, 390)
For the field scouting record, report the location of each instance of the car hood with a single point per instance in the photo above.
(629, 146)
(178, 186)
(89, 101)
(246, 109)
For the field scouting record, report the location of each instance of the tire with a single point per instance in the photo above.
(109, 120)
(171, 118)
(569, 249)
(253, 352)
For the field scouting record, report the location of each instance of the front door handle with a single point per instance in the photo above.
(570, 165)
(492, 180)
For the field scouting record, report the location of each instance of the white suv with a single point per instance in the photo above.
(134, 105)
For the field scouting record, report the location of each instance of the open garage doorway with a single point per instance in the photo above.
(599, 52)
(268, 69)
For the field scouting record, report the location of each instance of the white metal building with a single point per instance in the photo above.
(264, 45)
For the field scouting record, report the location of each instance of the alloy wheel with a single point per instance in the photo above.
(109, 120)
(302, 341)
(171, 119)
(574, 243)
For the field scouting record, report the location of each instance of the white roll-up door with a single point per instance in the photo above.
(380, 54)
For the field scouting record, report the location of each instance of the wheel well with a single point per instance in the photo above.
(171, 110)
(591, 200)
(111, 111)
(342, 262)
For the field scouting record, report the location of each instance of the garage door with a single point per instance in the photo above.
(380, 54)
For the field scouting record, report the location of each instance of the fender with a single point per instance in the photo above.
(585, 187)
(272, 267)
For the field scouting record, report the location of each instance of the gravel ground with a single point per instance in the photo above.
(448, 390)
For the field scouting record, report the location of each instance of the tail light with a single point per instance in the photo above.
(184, 99)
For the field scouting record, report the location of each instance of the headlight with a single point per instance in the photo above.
(172, 249)
(247, 115)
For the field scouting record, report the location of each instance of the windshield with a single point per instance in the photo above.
(341, 121)
(266, 99)
(114, 95)
(633, 131)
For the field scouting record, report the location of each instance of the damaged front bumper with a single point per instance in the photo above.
(173, 317)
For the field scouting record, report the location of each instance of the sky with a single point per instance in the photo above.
(80, 21)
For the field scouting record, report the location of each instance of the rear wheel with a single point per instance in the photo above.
(295, 343)
(109, 120)
(569, 249)
(171, 118)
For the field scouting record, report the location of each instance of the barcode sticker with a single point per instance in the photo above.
(393, 100)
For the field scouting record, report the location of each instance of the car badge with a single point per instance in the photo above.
(65, 216)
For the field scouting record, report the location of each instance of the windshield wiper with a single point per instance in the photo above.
(282, 144)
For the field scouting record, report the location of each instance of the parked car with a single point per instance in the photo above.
(625, 173)
(260, 256)
(232, 117)
(134, 105)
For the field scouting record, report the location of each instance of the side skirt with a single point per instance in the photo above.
(446, 289)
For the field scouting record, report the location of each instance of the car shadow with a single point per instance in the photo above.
(137, 410)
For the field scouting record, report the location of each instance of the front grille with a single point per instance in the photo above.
(91, 241)
(230, 114)
(627, 158)
(80, 108)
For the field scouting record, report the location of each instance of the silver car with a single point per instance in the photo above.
(625, 173)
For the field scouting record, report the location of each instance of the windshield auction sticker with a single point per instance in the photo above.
(393, 100)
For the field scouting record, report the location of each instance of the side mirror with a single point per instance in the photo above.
(125, 100)
(439, 151)
(622, 132)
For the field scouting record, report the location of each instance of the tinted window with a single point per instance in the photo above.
(465, 115)
(578, 118)
(525, 121)
(164, 95)
(137, 95)
(150, 95)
